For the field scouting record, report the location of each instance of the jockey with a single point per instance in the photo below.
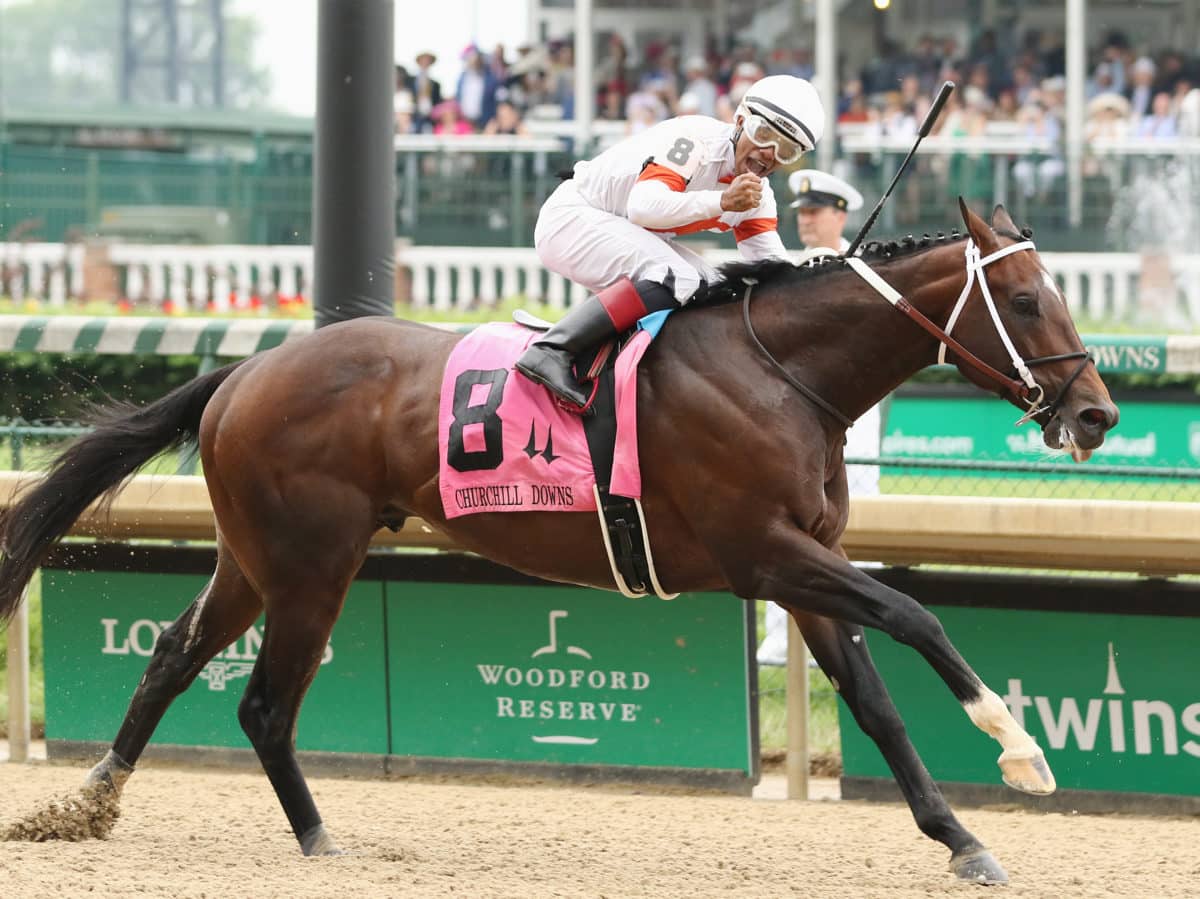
(610, 226)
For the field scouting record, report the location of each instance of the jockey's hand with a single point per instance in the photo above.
(743, 193)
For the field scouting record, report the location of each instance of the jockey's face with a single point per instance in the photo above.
(748, 157)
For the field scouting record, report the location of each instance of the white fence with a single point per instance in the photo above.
(1103, 287)
(48, 272)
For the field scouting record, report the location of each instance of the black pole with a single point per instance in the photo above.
(354, 171)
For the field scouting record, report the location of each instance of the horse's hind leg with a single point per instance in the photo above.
(841, 650)
(224, 609)
(288, 660)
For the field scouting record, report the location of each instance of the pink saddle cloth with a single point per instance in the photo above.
(505, 445)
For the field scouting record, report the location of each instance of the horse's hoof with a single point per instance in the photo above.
(110, 773)
(1027, 773)
(978, 866)
(317, 841)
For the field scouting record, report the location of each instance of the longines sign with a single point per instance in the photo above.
(546, 674)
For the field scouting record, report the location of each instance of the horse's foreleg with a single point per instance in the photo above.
(224, 609)
(815, 579)
(842, 653)
(293, 641)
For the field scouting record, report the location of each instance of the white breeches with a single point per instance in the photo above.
(595, 248)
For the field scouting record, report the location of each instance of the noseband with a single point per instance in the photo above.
(1030, 392)
(1026, 389)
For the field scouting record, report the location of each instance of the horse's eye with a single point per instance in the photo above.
(1024, 304)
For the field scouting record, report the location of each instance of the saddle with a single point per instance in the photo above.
(623, 523)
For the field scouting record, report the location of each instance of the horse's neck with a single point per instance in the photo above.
(853, 347)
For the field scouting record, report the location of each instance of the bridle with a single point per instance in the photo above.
(1024, 386)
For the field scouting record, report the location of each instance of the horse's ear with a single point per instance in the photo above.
(1002, 221)
(980, 231)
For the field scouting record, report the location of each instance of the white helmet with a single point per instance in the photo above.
(790, 105)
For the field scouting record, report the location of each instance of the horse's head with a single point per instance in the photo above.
(1016, 320)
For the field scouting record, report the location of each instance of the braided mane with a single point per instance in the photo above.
(731, 284)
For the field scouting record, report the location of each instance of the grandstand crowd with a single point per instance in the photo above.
(1009, 84)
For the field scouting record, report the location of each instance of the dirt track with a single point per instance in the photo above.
(216, 833)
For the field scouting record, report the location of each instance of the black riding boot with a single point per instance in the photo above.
(549, 360)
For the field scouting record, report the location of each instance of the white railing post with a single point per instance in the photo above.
(18, 685)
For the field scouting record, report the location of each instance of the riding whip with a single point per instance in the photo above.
(930, 117)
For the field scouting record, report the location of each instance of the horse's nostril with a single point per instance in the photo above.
(1098, 419)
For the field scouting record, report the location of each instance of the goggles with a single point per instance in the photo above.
(763, 134)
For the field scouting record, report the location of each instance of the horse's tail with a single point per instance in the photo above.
(124, 437)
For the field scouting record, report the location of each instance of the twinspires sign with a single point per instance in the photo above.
(483, 672)
(1151, 434)
(1114, 700)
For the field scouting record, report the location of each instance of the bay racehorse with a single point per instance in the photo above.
(309, 448)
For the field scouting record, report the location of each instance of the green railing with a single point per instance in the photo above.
(477, 191)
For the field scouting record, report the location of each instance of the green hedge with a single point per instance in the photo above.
(54, 386)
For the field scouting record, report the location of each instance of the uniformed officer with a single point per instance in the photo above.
(821, 204)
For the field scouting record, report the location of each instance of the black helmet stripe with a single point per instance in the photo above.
(759, 101)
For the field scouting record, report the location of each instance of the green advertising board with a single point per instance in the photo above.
(973, 428)
(1113, 700)
(433, 670)
(578, 677)
(99, 632)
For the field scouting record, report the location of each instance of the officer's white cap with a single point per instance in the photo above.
(812, 187)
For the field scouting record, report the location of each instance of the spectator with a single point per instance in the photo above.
(970, 172)
(926, 62)
(1006, 106)
(744, 75)
(794, 61)
(1023, 84)
(1189, 114)
(1035, 175)
(1107, 120)
(426, 92)
(527, 80)
(476, 90)
(498, 65)
(644, 109)
(613, 71)
(448, 119)
(1101, 81)
(1117, 56)
(507, 120)
(897, 119)
(1161, 121)
(560, 78)
(403, 109)
(403, 105)
(725, 109)
(700, 86)
(659, 77)
(852, 105)
(612, 103)
(1141, 89)
(1053, 95)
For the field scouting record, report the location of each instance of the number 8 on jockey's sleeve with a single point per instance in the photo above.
(611, 227)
